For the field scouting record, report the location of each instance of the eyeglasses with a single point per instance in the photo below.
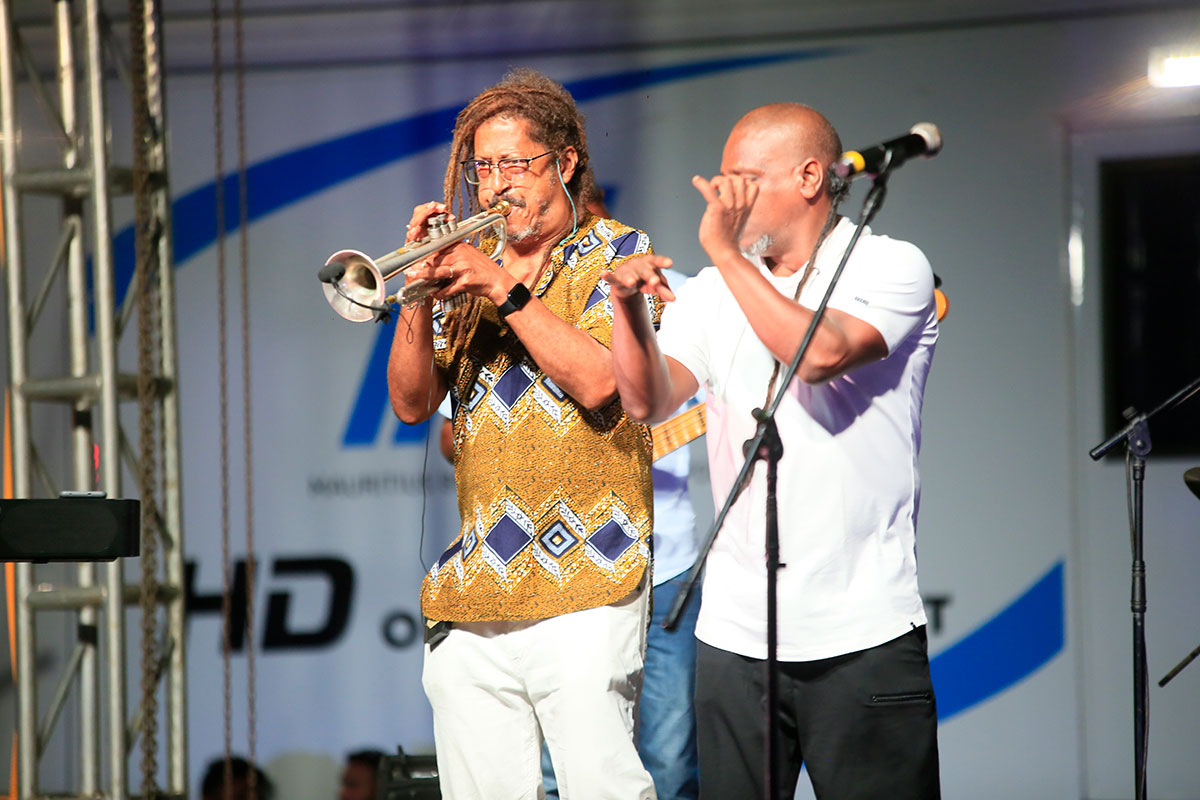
(477, 171)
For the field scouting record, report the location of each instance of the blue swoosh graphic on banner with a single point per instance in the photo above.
(280, 181)
(1014, 644)
(287, 178)
(1001, 652)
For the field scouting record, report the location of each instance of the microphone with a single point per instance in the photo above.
(924, 139)
(332, 272)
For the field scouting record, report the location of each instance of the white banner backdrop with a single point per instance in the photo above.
(339, 494)
(349, 503)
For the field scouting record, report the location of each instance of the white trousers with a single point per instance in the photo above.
(498, 687)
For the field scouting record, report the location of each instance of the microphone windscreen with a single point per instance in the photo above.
(932, 136)
(332, 272)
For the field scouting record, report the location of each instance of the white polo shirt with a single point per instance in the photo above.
(675, 547)
(848, 485)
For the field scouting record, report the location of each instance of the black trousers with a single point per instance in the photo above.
(864, 724)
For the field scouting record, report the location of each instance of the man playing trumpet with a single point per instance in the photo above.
(545, 589)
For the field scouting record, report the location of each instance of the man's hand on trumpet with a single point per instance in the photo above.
(461, 267)
(418, 226)
(466, 270)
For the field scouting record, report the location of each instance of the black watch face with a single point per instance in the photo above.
(518, 296)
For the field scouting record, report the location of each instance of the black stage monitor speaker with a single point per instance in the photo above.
(75, 527)
(405, 777)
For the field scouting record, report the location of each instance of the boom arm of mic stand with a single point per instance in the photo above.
(1136, 435)
(1182, 395)
(871, 205)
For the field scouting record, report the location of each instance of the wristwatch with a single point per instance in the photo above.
(518, 296)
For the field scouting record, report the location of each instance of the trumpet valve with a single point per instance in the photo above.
(440, 226)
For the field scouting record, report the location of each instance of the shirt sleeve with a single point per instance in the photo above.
(888, 284)
(441, 350)
(597, 317)
(683, 334)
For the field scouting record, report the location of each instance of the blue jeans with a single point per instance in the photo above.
(666, 737)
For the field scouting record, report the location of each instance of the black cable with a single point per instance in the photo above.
(382, 313)
(424, 497)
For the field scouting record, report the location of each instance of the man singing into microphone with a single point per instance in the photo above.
(545, 590)
(856, 702)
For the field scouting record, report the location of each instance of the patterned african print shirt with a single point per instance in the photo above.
(555, 500)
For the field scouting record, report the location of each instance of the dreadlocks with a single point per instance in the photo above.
(553, 121)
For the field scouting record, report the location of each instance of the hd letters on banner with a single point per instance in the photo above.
(399, 628)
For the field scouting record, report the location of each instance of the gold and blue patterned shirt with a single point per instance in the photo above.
(555, 500)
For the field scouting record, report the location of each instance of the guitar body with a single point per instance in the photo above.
(674, 433)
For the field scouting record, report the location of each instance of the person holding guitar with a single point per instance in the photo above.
(857, 704)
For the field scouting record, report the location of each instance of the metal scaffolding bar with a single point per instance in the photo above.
(86, 179)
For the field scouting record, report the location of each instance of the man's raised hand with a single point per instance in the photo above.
(730, 199)
(641, 275)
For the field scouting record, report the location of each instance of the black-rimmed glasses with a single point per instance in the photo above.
(477, 171)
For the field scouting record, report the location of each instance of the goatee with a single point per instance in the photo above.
(760, 245)
(534, 228)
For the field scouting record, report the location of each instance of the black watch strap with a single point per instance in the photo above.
(518, 296)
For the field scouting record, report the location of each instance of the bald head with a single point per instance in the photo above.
(785, 149)
(795, 131)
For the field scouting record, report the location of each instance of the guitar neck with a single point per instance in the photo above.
(677, 431)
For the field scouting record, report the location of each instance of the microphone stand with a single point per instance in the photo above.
(767, 445)
(1136, 436)
(1192, 479)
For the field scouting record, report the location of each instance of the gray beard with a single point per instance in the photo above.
(535, 226)
(759, 246)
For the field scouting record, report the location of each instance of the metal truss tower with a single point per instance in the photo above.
(91, 395)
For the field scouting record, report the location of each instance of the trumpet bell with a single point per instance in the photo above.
(356, 285)
(360, 287)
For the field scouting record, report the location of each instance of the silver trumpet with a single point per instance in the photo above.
(355, 285)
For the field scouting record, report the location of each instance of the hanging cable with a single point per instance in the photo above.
(247, 439)
(223, 405)
(250, 562)
(144, 270)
